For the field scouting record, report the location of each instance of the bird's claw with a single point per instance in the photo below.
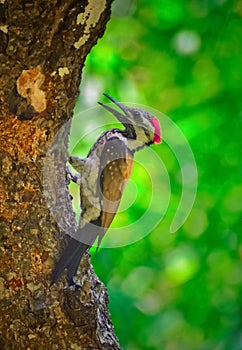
(74, 177)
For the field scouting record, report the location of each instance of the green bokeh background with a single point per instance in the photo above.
(183, 58)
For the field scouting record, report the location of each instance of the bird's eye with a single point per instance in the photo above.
(137, 115)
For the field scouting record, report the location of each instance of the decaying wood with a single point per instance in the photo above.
(43, 46)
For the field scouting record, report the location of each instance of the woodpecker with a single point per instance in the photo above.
(103, 175)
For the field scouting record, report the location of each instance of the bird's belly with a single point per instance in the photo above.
(90, 193)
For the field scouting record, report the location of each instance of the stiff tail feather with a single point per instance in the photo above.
(72, 254)
(70, 259)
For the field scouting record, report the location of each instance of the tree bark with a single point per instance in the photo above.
(43, 46)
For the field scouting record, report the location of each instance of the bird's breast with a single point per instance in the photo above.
(89, 192)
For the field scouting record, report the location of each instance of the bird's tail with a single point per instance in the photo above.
(72, 254)
(70, 259)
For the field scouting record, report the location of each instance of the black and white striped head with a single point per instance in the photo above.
(139, 124)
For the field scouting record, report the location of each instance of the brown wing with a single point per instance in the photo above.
(117, 164)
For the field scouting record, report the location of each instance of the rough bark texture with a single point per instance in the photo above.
(43, 45)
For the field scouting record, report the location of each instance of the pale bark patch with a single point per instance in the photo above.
(29, 86)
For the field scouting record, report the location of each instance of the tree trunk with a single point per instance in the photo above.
(43, 46)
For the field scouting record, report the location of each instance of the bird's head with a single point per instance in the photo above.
(141, 127)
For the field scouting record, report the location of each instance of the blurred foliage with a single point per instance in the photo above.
(184, 58)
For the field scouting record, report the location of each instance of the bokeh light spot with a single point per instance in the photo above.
(181, 264)
(196, 223)
(186, 42)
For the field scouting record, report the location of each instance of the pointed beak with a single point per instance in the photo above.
(120, 105)
(121, 117)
